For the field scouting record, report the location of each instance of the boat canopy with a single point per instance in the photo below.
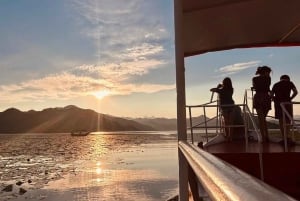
(212, 25)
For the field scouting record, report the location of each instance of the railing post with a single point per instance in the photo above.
(282, 105)
(191, 124)
(245, 124)
(194, 184)
(205, 123)
(284, 133)
(183, 177)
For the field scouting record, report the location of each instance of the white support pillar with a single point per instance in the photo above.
(181, 110)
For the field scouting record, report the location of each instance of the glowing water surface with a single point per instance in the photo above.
(103, 166)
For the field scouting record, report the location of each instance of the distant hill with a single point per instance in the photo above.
(66, 119)
(162, 124)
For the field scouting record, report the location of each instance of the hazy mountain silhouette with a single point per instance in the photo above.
(162, 124)
(165, 124)
(67, 119)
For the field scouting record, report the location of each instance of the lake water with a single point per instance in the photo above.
(100, 166)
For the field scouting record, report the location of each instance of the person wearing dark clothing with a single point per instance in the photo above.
(225, 91)
(281, 92)
(262, 99)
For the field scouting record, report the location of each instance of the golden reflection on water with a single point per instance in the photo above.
(92, 175)
(98, 170)
(113, 167)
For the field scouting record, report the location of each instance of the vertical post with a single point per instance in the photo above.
(205, 123)
(180, 72)
(181, 109)
(194, 185)
(282, 105)
(191, 124)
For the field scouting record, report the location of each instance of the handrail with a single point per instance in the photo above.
(208, 104)
(259, 137)
(251, 113)
(218, 125)
(285, 114)
(223, 181)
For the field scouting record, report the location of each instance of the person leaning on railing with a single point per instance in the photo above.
(281, 92)
(225, 91)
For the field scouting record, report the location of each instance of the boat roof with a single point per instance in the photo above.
(213, 25)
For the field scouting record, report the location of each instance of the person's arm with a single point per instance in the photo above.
(272, 94)
(217, 89)
(294, 94)
(253, 88)
(214, 90)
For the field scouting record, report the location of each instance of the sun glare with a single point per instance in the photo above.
(101, 94)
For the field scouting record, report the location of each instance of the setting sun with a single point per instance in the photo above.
(101, 94)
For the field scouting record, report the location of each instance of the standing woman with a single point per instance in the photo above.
(262, 99)
(225, 91)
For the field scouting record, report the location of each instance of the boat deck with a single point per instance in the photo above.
(267, 161)
(252, 147)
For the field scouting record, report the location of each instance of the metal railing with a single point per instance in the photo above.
(212, 178)
(222, 181)
(293, 123)
(219, 127)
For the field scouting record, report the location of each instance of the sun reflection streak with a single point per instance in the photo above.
(99, 170)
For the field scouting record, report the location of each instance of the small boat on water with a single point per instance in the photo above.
(80, 133)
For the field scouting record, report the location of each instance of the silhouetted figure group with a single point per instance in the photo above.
(282, 93)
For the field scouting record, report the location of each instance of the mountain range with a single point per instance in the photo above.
(66, 119)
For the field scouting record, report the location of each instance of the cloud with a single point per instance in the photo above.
(235, 68)
(120, 29)
(67, 86)
(118, 73)
(139, 52)
(61, 86)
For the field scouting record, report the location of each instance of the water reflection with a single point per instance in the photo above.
(98, 170)
(110, 166)
(112, 184)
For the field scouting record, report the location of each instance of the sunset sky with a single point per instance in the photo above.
(115, 57)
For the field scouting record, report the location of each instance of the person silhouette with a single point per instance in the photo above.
(225, 91)
(281, 92)
(262, 99)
